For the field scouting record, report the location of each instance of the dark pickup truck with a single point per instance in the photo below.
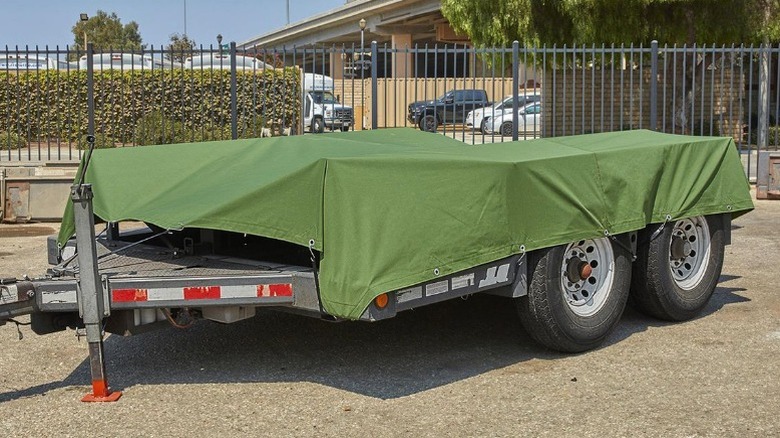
(450, 108)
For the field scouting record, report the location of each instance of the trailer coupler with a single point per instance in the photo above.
(16, 299)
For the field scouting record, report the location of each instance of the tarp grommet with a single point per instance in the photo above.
(436, 272)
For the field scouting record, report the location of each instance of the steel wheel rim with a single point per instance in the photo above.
(689, 251)
(586, 290)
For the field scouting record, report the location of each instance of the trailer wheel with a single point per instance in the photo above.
(317, 126)
(429, 123)
(675, 273)
(576, 293)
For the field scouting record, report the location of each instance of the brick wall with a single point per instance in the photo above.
(577, 101)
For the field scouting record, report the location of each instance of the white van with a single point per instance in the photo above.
(221, 61)
(126, 61)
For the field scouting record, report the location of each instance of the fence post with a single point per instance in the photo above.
(374, 87)
(654, 85)
(233, 97)
(515, 88)
(90, 90)
(763, 98)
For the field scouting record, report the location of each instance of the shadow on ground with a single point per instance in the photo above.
(416, 351)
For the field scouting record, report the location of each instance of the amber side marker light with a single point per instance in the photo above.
(381, 301)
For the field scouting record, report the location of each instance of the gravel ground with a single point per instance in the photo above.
(463, 368)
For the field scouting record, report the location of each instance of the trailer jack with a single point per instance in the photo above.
(92, 296)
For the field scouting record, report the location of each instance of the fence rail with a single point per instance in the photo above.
(158, 96)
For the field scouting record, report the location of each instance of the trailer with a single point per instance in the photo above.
(363, 225)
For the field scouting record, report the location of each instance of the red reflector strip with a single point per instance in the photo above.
(202, 293)
(194, 293)
(274, 290)
(129, 295)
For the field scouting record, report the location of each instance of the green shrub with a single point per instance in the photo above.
(11, 140)
(102, 141)
(198, 101)
(703, 129)
(251, 128)
(773, 136)
(153, 129)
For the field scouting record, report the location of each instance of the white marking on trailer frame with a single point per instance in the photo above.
(165, 294)
(58, 297)
(495, 275)
(437, 288)
(405, 295)
(9, 294)
(462, 281)
(242, 291)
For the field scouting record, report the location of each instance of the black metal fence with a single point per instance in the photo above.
(474, 95)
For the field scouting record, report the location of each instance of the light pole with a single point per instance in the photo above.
(362, 25)
(219, 44)
(84, 18)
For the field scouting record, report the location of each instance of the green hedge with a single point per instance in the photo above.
(194, 105)
(11, 140)
(773, 136)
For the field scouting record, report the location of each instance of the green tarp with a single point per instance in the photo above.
(391, 208)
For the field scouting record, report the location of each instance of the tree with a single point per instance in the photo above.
(180, 47)
(586, 22)
(537, 22)
(106, 32)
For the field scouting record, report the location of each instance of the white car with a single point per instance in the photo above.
(126, 62)
(219, 61)
(476, 119)
(25, 62)
(528, 117)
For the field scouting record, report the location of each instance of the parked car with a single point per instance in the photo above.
(476, 119)
(10, 61)
(528, 121)
(126, 62)
(449, 108)
(221, 61)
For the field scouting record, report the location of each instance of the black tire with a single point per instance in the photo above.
(428, 123)
(317, 126)
(675, 273)
(483, 126)
(344, 128)
(552, 312)
(506, 129)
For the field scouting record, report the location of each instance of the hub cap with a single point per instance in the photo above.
(689, 251)
(587, 274)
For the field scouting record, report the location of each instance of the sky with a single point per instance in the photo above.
(49, 22)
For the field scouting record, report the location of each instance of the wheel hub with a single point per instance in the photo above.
(689, 250)
(587, 275)
(578, 270)
(680, 248)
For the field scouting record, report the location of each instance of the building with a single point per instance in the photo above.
(396, 24)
